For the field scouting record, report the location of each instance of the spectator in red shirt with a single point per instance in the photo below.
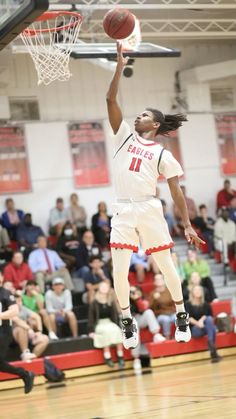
(225, 195)
(17, 271)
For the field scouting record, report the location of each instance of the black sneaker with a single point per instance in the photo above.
(28, 381)
(182, 332)
(216, 358)
(130, 334)
(121, 362)
(109, 362)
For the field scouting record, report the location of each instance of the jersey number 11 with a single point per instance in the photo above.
(135, 164)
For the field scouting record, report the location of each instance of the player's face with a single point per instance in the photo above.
(145, 122)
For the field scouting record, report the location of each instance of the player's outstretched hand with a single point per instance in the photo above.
(120, 58)
(192, 237)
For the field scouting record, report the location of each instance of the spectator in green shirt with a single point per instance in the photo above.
(196, 264)
(33, 300)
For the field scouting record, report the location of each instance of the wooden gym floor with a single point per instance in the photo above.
(193, 390)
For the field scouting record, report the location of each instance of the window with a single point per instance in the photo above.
(24, 109)
(222, 98)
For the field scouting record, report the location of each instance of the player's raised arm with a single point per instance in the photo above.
(114, 111)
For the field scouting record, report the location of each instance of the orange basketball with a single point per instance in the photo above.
(118, 23)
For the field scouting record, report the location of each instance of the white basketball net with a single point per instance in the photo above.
(133, 41)
(50, 43)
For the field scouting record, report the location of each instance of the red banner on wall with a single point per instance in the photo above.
(87, 142)
(226, 129)
(14, 169)
(171, 143)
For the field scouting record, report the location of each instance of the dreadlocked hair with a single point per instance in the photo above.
(167, 122)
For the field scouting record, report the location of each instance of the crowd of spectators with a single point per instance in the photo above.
(44, 278)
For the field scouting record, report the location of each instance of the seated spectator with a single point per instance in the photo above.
(34, 300)
(194, 280)
(8, 285)
(25, 336)
(67, 245)
(57, 218)
(11, 218)
(27, 235)
(141, 263)
(145, 318)
(201, 320)
(103, 324)
(32, 318)
(191, 206)
(196, 264)
(17, 271)
(232, 209)
(46, 264)
(101, 225)
(171, 221)
(205, 225)
(225, 195)
(59, 306)
(77, 215)
(5, 248)
(86, 249)
(225, 235)
(163, 306)
(93, 277)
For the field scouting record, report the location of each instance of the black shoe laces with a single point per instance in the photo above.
(182, 323)
(129, 330)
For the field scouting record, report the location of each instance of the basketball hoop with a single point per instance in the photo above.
(50, 40)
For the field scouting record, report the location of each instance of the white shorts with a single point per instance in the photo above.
(140, 223)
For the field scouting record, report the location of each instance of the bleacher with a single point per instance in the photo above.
(77, 357)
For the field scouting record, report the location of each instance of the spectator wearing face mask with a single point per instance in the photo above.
(67, 245)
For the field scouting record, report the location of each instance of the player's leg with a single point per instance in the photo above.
(157, 241)
(121, 262)
(27, 377)
(173, 282)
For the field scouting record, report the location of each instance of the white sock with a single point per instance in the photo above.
(126, 313)
(107, 354)
(120, 353)
(180, 308)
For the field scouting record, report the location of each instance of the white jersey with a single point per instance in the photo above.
(137, 164)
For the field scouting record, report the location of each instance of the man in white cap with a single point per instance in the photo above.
(59, 306)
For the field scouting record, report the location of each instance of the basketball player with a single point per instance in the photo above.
(138, 215)
(9, 310)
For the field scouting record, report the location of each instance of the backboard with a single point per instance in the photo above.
(16, 15)
(108, 51)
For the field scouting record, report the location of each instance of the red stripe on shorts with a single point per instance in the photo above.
(124, 246)
(159, 248)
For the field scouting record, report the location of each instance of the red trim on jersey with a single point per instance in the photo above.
(124, 246)
(159, 248)
(152, 143)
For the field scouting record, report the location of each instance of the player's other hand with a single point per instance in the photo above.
(121, 60)
(192, 237)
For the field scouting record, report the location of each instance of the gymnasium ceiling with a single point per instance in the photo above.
(161, 20)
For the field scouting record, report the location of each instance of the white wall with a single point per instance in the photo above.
(83, 98)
